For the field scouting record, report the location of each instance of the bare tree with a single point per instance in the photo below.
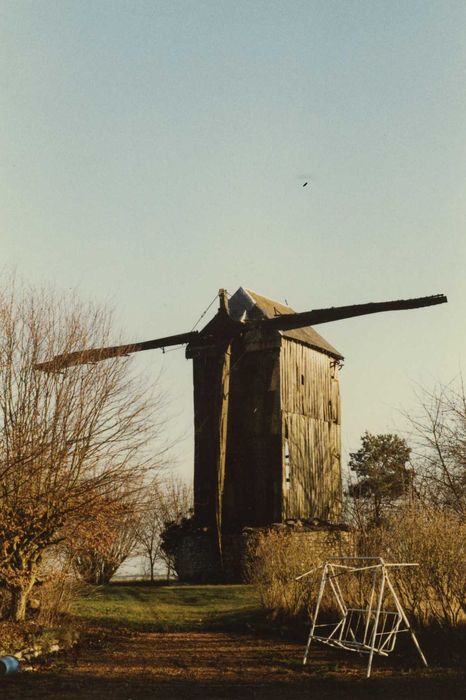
(167, 501)
(96, 554)
(68, 439)
(440, 446)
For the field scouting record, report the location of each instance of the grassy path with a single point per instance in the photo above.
(140, 661)
(171, 608)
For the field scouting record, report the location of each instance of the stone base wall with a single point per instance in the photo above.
(197, 557)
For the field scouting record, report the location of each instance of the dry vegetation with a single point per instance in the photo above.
(278, 556)
(434, 592)
(70, 441)
(416, 516)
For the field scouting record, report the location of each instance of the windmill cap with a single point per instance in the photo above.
(247, 305)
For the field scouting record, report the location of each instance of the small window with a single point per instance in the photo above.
(286, 459)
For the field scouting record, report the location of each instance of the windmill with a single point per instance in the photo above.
(266, 409)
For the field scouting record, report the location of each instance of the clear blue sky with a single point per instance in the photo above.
(152, 152)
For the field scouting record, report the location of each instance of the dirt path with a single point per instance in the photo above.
(215, 665)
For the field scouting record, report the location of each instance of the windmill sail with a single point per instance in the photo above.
(337, 313)
(82, 357)
(231, 329)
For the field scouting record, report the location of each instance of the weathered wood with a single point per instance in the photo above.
(337, 313)
(253, 468)
(82, 357)
(206, 382)
(222, 423)
(311, 431)
(281, 396)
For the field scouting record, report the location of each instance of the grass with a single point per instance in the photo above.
(165, 608)
(142, 607)
(119, 656)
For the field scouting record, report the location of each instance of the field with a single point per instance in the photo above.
(142, 642)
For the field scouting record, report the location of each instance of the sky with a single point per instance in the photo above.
(153, 152)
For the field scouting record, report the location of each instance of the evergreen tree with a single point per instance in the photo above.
(381, 466)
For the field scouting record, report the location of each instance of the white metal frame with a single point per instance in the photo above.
(368, 630)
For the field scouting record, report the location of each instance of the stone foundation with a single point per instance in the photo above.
(197, 556)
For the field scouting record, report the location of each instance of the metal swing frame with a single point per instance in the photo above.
(368, 630)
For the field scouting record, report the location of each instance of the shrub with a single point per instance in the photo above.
(278, 556)
(55, 596)
(434, 591)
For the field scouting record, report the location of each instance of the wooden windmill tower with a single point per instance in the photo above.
(267, 412)
(266, 409)
(275, 430)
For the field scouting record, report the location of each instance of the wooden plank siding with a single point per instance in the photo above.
(282, 394)
(254, 469)
(310, 409)
(206, 376)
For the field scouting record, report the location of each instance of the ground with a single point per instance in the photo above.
(135, 663)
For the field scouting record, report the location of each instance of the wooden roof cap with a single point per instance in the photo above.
(248, 305)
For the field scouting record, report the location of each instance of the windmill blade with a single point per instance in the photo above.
(82, 357)
(336, 313)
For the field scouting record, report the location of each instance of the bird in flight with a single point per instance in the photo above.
(305, 184)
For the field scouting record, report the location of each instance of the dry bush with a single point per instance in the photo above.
(55, 596)
(277, 557)
(434, 591)
(96, 552)
(437, 541)
(51, 597)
